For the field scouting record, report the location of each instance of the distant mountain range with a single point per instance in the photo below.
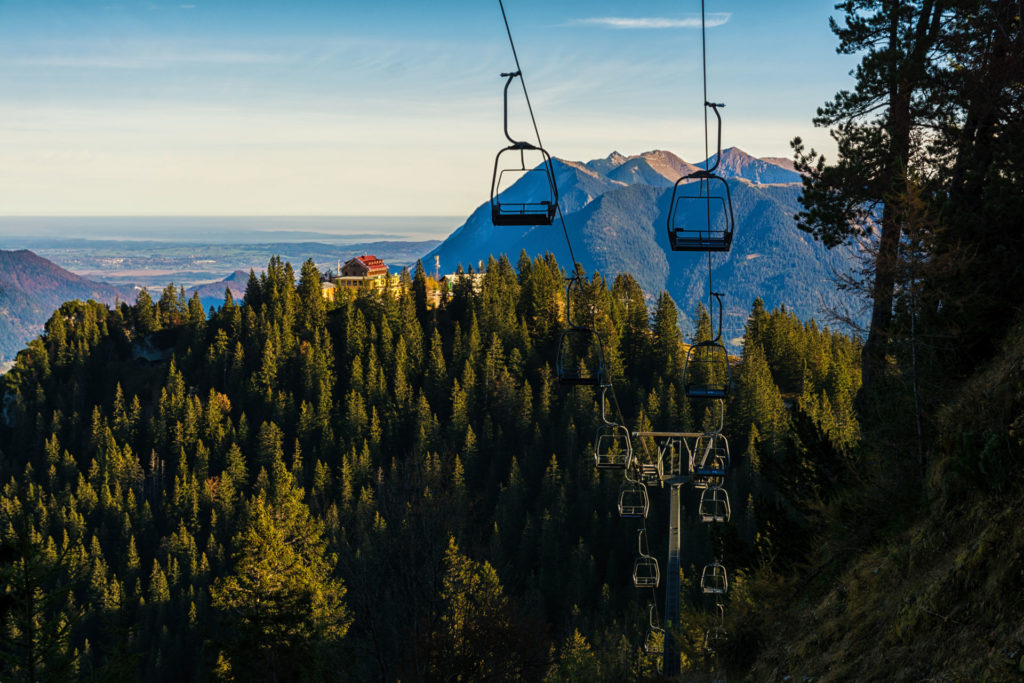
(615, 211)
(212, 294)
(32, 288)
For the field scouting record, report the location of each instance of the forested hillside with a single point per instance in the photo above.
(293, 489)
(31, 288)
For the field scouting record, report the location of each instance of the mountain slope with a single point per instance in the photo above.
(657, 168)
(781, 161)
(212, 293)
(623, 230)
(31, 288)
(738, 164)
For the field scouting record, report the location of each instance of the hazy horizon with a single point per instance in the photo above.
(223, 229)
(328, 108)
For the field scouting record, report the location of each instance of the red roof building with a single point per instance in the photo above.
(366, 265)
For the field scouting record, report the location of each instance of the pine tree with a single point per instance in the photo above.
(878, 127)
(282, 607)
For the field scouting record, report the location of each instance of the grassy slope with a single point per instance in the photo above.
(939, 595)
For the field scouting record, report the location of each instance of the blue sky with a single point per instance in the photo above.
(390, 107)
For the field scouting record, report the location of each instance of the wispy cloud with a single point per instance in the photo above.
(155, 57)
(714, 19)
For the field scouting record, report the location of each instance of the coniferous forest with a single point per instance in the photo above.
(380, 488)
(289, 488)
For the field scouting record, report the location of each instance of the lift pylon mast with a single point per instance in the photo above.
(670, 664)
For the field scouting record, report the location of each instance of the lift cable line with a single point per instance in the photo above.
(540, 145)
(697, 458)
(536, 130)
(686, 231)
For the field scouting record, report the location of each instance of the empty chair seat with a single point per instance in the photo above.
(714, 505)
(706, 373)
(645, 569)
(580, 360)
(714, 580)
(700, 216)
(612, 447)
(633, 500)
(711, 455)
(646, 573)
(523, 189)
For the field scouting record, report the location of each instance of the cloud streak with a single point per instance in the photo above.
(714, 19)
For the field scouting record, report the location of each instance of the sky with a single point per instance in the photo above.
(376, 107)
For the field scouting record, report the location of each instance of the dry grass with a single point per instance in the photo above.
(939, 595)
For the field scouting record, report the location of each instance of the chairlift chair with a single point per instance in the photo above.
(714, 638)
(711, 455)
(706, 373)
(522, 193)
(714, 505)
(612, 447)
(633, 499)
(714, 580)
(654, 641)
(700, 215)
(580, 359)
(645, 569)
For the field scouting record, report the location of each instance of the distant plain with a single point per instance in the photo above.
(152, 251)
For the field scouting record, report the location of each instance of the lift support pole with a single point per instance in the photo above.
(670, 665)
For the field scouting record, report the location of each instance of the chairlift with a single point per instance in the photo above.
(706, 373)
(714, 505)
(633, 499)
(645, 570)
(654, 641)
(700, 215)
(714, 638)
(580, 359)
(714, 580)
(522, 193)
(710, 455)
(612, 447)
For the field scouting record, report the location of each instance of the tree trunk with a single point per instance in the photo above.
(905, 73)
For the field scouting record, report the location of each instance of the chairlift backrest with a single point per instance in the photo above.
(706, 373)
(711, 455)
(654, 641)
(580, 359)
(714, 638)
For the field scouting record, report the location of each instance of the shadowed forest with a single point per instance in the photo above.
(373, 488)
(303, 487)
